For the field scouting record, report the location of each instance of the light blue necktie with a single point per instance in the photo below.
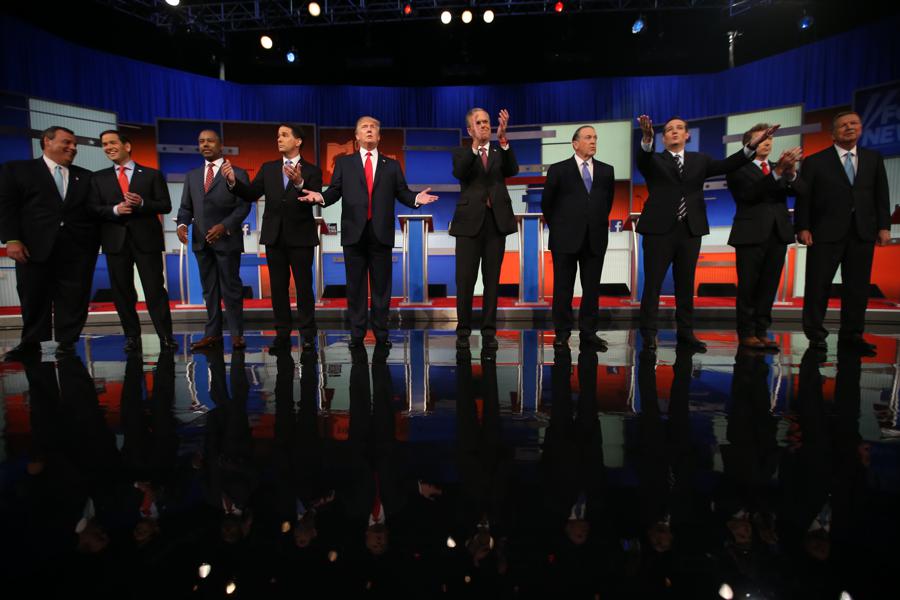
(848, 167)
(60, 182)
(283, 174)
(586, 176)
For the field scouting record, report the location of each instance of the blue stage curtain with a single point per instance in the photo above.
(819, 75)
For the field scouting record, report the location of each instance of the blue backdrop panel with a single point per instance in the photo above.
(429, 137)
(429, 167)
(15, 145)
(141, 92)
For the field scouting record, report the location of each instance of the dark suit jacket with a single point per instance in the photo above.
(349, 183)
(286, 220)
(761, 205)
(825, 208)
(570, 211)
(32, 212)
(666, 188)
(143, 224)
(219, 205)
(478, 184)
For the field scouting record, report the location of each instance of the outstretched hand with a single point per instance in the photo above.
(760, 136)
(502, 122)
(311, 197)
(424, 197)
(646, 124)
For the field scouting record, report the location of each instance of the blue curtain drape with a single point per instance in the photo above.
(820, 75)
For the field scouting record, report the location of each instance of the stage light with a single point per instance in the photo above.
(451, 543)
(407, 9)
(726, 592)
(638, 25)
(290, 56)
(314, 9)
(204, 570)
(845, 595)
(173, 2)
(488, 16)
(266, 42)
(230, 588)
(558, 7)
(467, 16)
(446, 17)
(805, 22)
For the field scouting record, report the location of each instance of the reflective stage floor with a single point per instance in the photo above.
(423, 473)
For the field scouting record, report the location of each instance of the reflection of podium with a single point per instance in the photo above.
(319, 259)
(631, 225)
(531, 272)
(415, 258)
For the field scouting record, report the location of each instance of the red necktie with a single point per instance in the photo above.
(764, 165)
(209, 178)
(370, 181)
(483, 152)
(123, 180)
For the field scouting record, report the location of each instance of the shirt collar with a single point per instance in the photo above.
(52, 163)
(363, 151)
(129, 166)
(759, 162)
(842, 153)
(580, 161)
(216, 163)
(486, 146)
(679, 153)
(294, 161)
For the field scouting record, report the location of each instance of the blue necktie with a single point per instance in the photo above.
(60, 182)
(586, 176)
(283, 174)
(848, 167)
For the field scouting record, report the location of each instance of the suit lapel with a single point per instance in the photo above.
(382, 165)
(836, 160)
(669, 159)
(45, 177)
(493, 155)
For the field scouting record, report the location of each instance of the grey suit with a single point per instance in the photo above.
(220, 262)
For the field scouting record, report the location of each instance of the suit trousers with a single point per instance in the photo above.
(486, 248)
(680, 249)
(282, 262)
(759, 269)
(854, 256)
(221, 281)
(54, 294)
(564, 266)
(368, 262)
(121, 276)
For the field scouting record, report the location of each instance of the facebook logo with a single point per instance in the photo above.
(616, 225)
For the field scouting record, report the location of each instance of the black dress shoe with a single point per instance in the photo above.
(168, 343)
(462, 342)
(65, 349)
(691, 341)
(132, 344)
(355, 342)
(384, 343)
(561, 341)
(489, 342)
(23, 351)
(589, 339)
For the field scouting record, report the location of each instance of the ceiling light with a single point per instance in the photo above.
(467, 16)
(446, 17)
(638, 25)
(266, 42)
(488, 16)
(314, 9)
(173, 2)
(558, 7)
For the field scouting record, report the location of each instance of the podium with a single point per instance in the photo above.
(319, 260)
(415, 230)
(631, 225)
(531, 272)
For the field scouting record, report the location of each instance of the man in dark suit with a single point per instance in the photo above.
(481, 222)
(288, 231)
(368, 182)
(218, 241)
(49, 232)
(674, 219)
(760, 234)
(129, 199)
(577, 198)
(843, 213)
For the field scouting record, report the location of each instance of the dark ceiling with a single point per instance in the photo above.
(568, 45)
